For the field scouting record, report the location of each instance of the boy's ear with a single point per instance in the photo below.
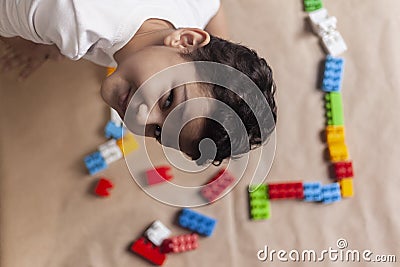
(187, 39)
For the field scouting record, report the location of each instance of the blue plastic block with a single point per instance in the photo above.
(114, 131)
(95, 163)
(333, 74)
(312, 191)
(331, 193)
(197, 222)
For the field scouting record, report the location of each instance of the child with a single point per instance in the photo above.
(141, 38)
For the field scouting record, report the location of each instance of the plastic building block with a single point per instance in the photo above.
(103, 187)
(260, 208)
(110, 71)
(197, 222)
(335, 134)
(346, 187)
(343, 169)
(333, 74)
(148, 251)
(95, 163)
(312, 191)
(217, 185)
(312, 5)
(338, 152)
(334, 108)
(317, 17)
(127, 144)
(157, 232)
(114, 131)
(115, 118)
(158, 175)
(286, 190)
(110, 151)
(333, 43)
(180, 243)
(331, 193)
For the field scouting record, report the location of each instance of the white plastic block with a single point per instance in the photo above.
(110, 151)
(334, 43)
(316, 17)
(326, 26)
(115, 118)
(157, 232)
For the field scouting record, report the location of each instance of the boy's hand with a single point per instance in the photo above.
(26, 55)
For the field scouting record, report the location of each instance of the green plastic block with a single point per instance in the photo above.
(334, 108)
(260, 208)
(312, 5)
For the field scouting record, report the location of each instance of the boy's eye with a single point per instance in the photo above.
(157, 133)
(170, 99)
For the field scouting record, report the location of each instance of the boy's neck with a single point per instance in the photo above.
(152, 32)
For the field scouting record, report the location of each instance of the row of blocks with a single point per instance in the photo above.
(156, 242)
(112, 150)
(260, 196)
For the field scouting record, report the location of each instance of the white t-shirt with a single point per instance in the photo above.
(96, 29)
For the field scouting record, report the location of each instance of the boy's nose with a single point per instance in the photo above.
(144, 117)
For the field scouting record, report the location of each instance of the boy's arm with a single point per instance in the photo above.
(218, 26)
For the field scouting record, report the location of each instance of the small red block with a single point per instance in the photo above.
(180, 243)
(343, 169)
(103, 187)
(217, 185)
(286, 190)
(148, 251)
(158, 175)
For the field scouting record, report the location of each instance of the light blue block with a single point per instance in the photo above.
(312, 191)
(333, 74)
(331, 193)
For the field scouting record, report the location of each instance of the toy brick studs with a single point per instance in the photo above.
(334, 108)
(197, 222)
(312, 5)
(333, 74)
(331, 193)
(95, 163)
(158, 175)
(148, 251)
(110, 151)
(103, 187)
(214, 188)
(259, 204)
(286, 190)
(180, 243)
(343, 169)
(114, 131)
(157, 232)
(312, 191)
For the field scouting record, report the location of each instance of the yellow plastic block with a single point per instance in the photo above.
(110, 71)
(335, 134)
(338, 152)
(346, 187)
(128, 144)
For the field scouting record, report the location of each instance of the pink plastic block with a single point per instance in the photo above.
(217, 185)
(180, 243)
(158, 175)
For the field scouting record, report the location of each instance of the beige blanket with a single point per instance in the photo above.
(51, 121)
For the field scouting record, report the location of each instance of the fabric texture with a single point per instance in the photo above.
(96, 29)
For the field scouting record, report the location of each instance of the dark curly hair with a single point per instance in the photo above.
(256, 68)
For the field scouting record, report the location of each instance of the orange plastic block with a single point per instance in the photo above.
(338, 152)
(127, 144)
(110, 71)
(335, 134)
(346, 187)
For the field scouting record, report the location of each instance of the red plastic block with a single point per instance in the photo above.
(343, 169)
(180, 243)
(103, 187)
(217, 185)
(148, 251)
(286, 190)
(158, 175)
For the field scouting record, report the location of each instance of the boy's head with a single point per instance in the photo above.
(156, 102)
